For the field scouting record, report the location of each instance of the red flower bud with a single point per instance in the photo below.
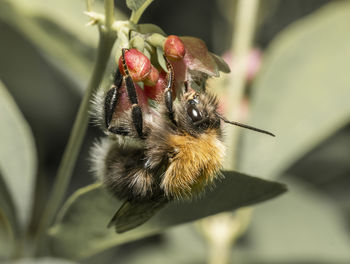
(138, 64)
(124, 102)
(152, 77)
(174, 48)
(153, 92)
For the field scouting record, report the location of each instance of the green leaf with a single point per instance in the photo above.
(57, 29)
(17, 157)
(135, 5)
(60, 44)
(161, 59)
(6, 236)
(150, 28)
(81, 229)
(302, 94)
(303, 226)
(45, 260)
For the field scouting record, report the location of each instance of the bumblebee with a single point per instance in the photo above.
(171, 152)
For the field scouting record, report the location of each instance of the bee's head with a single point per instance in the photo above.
(197, 113)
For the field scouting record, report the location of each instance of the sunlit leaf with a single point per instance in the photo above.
(17, 156)
(81, 227)
(302, 94)
(135, 5)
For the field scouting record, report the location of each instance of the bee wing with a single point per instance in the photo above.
(134, 213)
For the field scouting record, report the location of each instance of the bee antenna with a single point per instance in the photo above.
(244, 126)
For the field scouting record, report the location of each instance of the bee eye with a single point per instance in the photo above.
(193, 113)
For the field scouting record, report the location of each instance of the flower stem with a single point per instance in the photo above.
(244, 29)
(233, 226)
(89, 5)
(109, 14)
(72, 150)
(136, 15)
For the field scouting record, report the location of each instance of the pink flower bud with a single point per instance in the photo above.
(124, 102)
(138, 64)
(152, 77)
(174, 48)
(153, 92)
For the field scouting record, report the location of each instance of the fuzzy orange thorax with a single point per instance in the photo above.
(196, 163)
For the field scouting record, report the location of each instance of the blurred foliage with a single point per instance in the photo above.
(303, 226)
(77, 235)
(305, 78)
(18, 168)
(17, 141)
(45, 260)
(46, 58)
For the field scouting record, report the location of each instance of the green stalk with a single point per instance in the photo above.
(136, 15)
(234, 225)
(109, 14)
(89, 5)
(244, 29)
(70, 155)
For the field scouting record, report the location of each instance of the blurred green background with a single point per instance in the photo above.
(302, 93)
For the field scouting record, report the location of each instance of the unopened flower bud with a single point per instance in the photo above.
(152, 77)
(138, 64)
(153, 92)
(124, 101)
(174, 48)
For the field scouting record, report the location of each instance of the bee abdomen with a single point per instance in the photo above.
(124, 172)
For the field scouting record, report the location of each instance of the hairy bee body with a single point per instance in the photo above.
(155, 155)
(175, 160)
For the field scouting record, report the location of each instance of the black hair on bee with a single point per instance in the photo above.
(171, 153)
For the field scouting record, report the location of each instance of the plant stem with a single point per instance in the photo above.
(109, 14)
(88, 5)
(136, 15)
(72, 150)
(234, 225)
(244, 29)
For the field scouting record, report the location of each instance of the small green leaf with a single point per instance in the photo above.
(302, 94)
(81, 229)
(161, 59)
(135, 5)
(17, 157)
(150, 28)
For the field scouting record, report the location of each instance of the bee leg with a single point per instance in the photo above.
(168, 96)
(136, 112)
(112, 98)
